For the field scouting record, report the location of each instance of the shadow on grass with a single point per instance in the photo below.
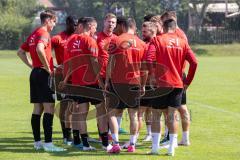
(24, 145)
(57, 132)
(17, 145)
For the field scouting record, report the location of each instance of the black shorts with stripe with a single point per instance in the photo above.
(40, 91)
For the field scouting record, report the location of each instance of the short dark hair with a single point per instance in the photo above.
(169, 15)
(81, 20)
(148, 17)
(47, 14)
(87, 21)
(131, 22)
(170, 24)
(123, 21)
(71, 19)
(150, 25)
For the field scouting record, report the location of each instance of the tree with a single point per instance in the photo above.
(15, 19)
(199, 15)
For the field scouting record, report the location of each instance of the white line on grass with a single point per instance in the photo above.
(215, 108)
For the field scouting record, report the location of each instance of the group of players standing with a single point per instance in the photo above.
(113, 70)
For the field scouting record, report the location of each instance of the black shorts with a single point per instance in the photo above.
(146, 101)
(81, 99)
(61, 96)
(128, 96)
(171, 99)
(40, 91)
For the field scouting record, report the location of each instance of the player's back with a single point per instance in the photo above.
(58, 43)
(171, 52)
(80, 49)
(128, 50)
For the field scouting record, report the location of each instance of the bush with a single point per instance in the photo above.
(11, 27)
(15, 21)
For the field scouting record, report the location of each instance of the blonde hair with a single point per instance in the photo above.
(110, 15)
(156, 19)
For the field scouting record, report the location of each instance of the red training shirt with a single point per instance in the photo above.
(38, 36)
(79, 49)
(103, 41)
(171, 51)
(128, 51)
(58, 42)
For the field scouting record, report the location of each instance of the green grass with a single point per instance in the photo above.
(213, 101)
(217, 50)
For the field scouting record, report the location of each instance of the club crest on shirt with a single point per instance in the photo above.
(76, 44)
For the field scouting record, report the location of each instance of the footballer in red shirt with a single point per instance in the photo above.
(38, 44)
(149, 30)
(58, 41)
(103, 40)
(84, 69)
(183, 110)
(171, 51)
(68, 80)
(126, 54)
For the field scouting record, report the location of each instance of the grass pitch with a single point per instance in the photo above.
(213, 100)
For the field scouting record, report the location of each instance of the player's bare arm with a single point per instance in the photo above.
(96, 69)
(42, 56)
(22, 55)
(110, 65)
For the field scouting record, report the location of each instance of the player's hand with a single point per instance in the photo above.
(61, 85)
(152, 81)
(106, 86)
(101, 84)
(142, 90)
(185, 86)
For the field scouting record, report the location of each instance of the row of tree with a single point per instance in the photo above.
(134, 8)
(139, 8)
(16, 16)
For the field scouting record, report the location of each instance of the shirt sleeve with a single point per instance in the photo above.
(43, 38)
(182, 34)
(55, 41)
(25, 47)
(93, 48)
(151, 53)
